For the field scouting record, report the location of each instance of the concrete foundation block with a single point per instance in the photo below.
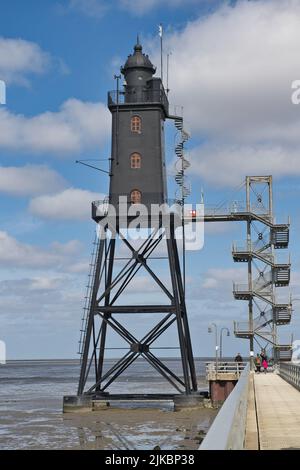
(100, 405)
(194, 400)
(77, 403)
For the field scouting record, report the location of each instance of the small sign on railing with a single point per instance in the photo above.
(2, 92)
(2, 352)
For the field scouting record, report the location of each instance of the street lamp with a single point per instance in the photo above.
(216, 341)
(221, 338)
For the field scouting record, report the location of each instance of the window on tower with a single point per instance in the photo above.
(135, 160)
(136, 124)
(136, 196)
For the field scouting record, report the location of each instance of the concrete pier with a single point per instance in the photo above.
(222, 380)
(273, 419)
(261, 413)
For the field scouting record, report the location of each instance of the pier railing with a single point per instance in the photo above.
(291, 373)
(228, 429)
(222, 368)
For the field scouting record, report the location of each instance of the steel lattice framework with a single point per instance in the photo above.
(106, 293)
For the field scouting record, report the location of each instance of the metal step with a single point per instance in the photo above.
(284, 352)
(178, 124)
(282, 314)
(281, 275)
(280, 237)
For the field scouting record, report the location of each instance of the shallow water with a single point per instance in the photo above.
(31, 410)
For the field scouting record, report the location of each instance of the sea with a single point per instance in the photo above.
(31, 393)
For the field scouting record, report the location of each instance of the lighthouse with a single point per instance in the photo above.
(138, 113)
(139, 109)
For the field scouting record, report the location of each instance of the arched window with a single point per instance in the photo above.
(136, 196)
(136, 124)
(135, 160)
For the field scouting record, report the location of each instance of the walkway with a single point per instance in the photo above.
(273, 417)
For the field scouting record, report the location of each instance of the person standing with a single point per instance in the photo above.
(265, 365)
(238, 358)
(257, 363)
(263, 355)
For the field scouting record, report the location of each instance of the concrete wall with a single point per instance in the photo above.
(219, 390)
(228, 429)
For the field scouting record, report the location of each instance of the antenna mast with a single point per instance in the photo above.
(168, 60)
(160, 33)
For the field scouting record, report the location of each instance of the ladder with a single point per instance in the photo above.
(88, 295)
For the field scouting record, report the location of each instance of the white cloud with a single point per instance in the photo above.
(232, 70)
(28, 287)
(71, 248)
(79, 267)
(91, 8)
(98, 8)
(217, 228)
(76, 126)
(14, 253)
(40, 303)
(72, 204)
(214, 287)
(210, 283)
(19, 59)
(216, 277)
(234, 161)
(30, 180)
(217, 284)
(142, 7)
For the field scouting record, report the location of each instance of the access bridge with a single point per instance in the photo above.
(261, 413)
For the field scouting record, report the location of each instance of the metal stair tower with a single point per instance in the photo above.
(265, 275)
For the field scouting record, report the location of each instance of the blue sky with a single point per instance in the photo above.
(231, 69)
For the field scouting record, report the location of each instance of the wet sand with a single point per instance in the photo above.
(31, 411)
(141, 428)
(113, 428)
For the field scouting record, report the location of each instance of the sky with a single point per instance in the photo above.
(232, 64)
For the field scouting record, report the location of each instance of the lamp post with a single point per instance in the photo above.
(216, 341)
(221, 338)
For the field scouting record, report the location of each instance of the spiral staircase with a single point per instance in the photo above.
(182, 163)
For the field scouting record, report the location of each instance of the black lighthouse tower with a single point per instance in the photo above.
(137, 177)
(138, 115)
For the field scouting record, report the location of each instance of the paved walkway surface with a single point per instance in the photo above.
(273, 419)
